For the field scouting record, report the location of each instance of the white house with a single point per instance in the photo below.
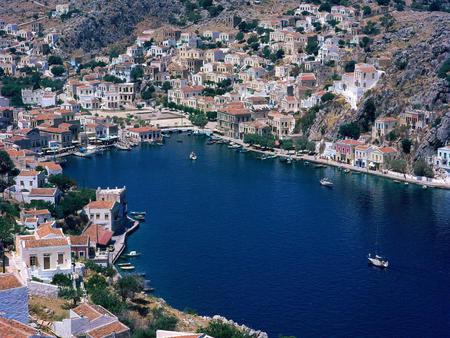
(29, 179)
(442, 159)
(354, 85)
(44, 253)
(106, 213)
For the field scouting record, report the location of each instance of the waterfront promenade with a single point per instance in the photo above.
(405, 178)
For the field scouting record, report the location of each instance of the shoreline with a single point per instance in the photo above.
(389, 175)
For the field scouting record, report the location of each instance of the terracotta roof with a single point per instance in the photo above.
(81, 240)
(387, 119)
(145, 129)
(36, 212)
(101, 205)
(107, 330)
(364, 68)
(9, 281)
(387, 150)
(11, 328)
(28, 173)
(43, 192)
(51, 165)
(46, 242)
(86, 310)
(98, 234)
(307, 76)
(46, 229)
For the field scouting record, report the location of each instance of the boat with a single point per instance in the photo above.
(243, 150)
(120, 265)
(166, 135)
(135, 213)
(133, 254)
(424, 187)
(326, 182)
(193, 156)
(346, 171)
(271, 156)
(396, 181)
(211, 142)
(378, 261)
(234, 146)
(128, 267)
(180, 141)
(122, 146)
(319, 166)
(139, 217)
(406, 183)
(289, 160)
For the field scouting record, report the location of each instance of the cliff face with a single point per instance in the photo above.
(101, 23)
(418, 44)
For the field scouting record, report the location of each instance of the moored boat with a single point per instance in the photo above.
(193, 156)
(133, 254)
(127, 267)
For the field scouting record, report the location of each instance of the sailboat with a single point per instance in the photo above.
(376, 260)
(193, 156)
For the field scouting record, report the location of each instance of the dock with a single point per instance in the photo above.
(120, 240)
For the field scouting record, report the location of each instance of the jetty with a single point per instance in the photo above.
(120, 240)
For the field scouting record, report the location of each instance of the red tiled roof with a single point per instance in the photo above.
(49, 192)
(9, 281)
(145, 129)
(98, 234)
(108, 330)
(47, 242)
(10, 328)
(86, 310)
(101, 205)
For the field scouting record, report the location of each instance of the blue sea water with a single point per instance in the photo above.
(262, 243)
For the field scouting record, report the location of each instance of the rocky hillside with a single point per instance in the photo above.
(418, 43)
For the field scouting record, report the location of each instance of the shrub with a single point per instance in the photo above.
(58, 70)
(398, 165)
(351, 130)
(350, 66)
(327, 97)
(61, 279)
(220, 329)
(421, 168)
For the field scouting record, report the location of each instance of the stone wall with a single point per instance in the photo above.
(43, 289)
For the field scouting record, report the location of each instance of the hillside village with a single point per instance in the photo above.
(298, 84)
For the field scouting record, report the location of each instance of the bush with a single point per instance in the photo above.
(421, 168)
(54, 60)
(220, 329)
(61, 279)
(351, 130)
(62, 182)
(398, 165)
(95, 282)
(264, 141)
(109, 300)
(327, 97)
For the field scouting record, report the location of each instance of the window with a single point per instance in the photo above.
(60, 258)
(97, 216)
(106, 217)
(33, 261)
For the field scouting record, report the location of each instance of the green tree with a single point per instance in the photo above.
(54, 60)
(398, 165)
(351, 130)
(406, 145)
(109, 300)
(70, 293)
(166, 86)
(421, 168)
(367, 11)
(199, 120)
(74, 201)
(136, 73)
(62, 182)
(8, 229)
(127, 286)
(58, 70)
(97, 281)
(240, 36)
(7, 171)
(312, 47)
(350, 66)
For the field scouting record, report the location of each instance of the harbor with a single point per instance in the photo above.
(280, 222)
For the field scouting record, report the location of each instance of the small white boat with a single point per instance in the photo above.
(346, 171)
(424, 187)
(378, 261)
(326, 182)
(133, 254)
(121, 265)
(127, 267)
(193, 156)
(289, 160)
